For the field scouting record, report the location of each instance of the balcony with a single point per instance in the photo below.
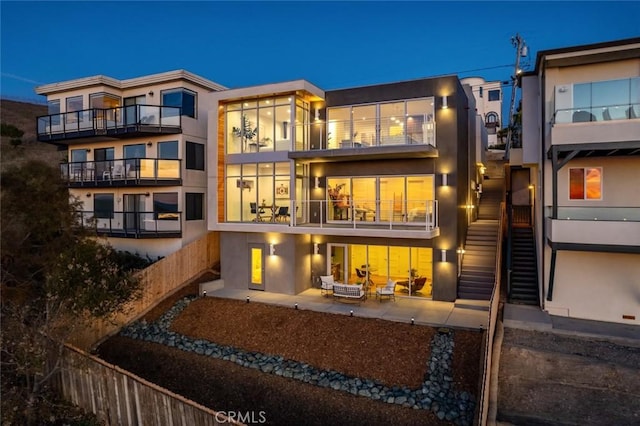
(373, 218)
(124, 172)
(617, 228)
(119, 122)
(370, 138)
(133, 224)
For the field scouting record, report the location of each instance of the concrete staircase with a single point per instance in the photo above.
(524, 276)
(479, 260)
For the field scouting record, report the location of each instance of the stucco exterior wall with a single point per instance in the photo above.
(596, 286)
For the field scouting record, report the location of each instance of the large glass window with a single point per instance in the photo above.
(106, 107)
(168, 165)
(585, 183)
(103, 206)
(73, 106)
(183, 98)
(410, 267)
(597, 101)
(494, 95)
(258, 125)
(381, 199)
(53, 109)
(103, 100)
(165, 205)
(255, 191)
(388, 123)
(168, 150)
(194, 206)
(195, 156)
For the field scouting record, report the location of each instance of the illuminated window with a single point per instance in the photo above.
(585, 183)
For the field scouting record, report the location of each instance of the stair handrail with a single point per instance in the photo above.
(482, 410)
(509, 261)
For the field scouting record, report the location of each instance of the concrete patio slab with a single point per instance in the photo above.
(402, 309)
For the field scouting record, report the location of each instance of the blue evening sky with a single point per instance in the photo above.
(331, 44)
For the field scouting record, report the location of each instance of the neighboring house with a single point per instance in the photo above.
(488, 96)
(137, 151)
(578, 171)
(365, 184)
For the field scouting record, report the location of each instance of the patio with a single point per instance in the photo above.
(465, 314)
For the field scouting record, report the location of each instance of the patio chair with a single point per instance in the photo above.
(326, 284)
(282, 213)
(117, 172)
(388, 290)
(418, 283)
(257, 211)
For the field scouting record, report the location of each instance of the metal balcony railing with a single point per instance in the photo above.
(129, 171)
(108, 120)
(132, 224)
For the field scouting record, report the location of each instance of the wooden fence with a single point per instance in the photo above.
(118, 397)
(158, 281)
(482, 410)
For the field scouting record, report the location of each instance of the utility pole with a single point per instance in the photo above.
(521, 51)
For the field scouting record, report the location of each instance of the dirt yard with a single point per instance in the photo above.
(392, 353)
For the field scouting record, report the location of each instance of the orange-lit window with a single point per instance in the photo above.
(585, 183)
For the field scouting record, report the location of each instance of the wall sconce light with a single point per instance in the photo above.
(317, 114)
(316, 248)
(149, 143)
(151, 93)
(88, 195)
(146, 194)
(445, 179)
(88, 150)
(444, 103)
(443, 255)
(460, 251)
(479, 188)
(531, 187)
(272, 249)
(317, 183)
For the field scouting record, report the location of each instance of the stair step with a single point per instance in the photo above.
(478, 268)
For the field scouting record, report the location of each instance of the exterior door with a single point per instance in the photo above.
(104, 161)
(256, 266)
(133, 208)
(131, 110)
(338, 262)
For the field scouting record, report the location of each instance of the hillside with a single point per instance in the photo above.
(23, 115)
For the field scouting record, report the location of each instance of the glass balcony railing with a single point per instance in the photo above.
(597, 113)
(128, 171)
(111, 120)
(359, 213)
(366, 133)
(132, 224)
(612, 214)
(362, 213)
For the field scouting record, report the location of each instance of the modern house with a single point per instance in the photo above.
(137, 152)
(364, 184)
(575, 182)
